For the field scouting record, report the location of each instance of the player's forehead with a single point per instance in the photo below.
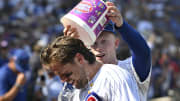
(58, 67)
(46, 68)
(52, 67)
(105, 35)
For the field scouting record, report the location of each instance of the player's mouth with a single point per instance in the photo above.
(100, 56)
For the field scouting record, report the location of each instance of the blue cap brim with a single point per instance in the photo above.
(110, 27)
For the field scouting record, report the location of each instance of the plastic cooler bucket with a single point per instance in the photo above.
(89, 17)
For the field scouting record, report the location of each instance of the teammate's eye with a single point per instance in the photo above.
(103, 41)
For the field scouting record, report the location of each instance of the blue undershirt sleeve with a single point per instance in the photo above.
(141, 55)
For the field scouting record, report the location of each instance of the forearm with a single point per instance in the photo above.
(140, 51)
(11, 94)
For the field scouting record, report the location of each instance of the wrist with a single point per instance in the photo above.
(120, 23)
(119, 26)
(17, 85)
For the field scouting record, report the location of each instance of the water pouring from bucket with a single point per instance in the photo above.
(89, 18)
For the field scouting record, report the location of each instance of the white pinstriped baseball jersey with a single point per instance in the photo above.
(111, 83)
(142, 86)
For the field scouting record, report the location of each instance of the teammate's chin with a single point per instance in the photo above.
(100, 59)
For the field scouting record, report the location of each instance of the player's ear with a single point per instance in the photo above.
(79, 58)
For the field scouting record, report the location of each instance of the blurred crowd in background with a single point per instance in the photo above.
(31, 24)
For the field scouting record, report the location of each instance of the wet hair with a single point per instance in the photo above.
(63, 50)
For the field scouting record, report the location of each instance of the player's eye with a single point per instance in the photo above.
(103, 41)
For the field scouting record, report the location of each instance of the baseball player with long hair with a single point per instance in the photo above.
(74, 63)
